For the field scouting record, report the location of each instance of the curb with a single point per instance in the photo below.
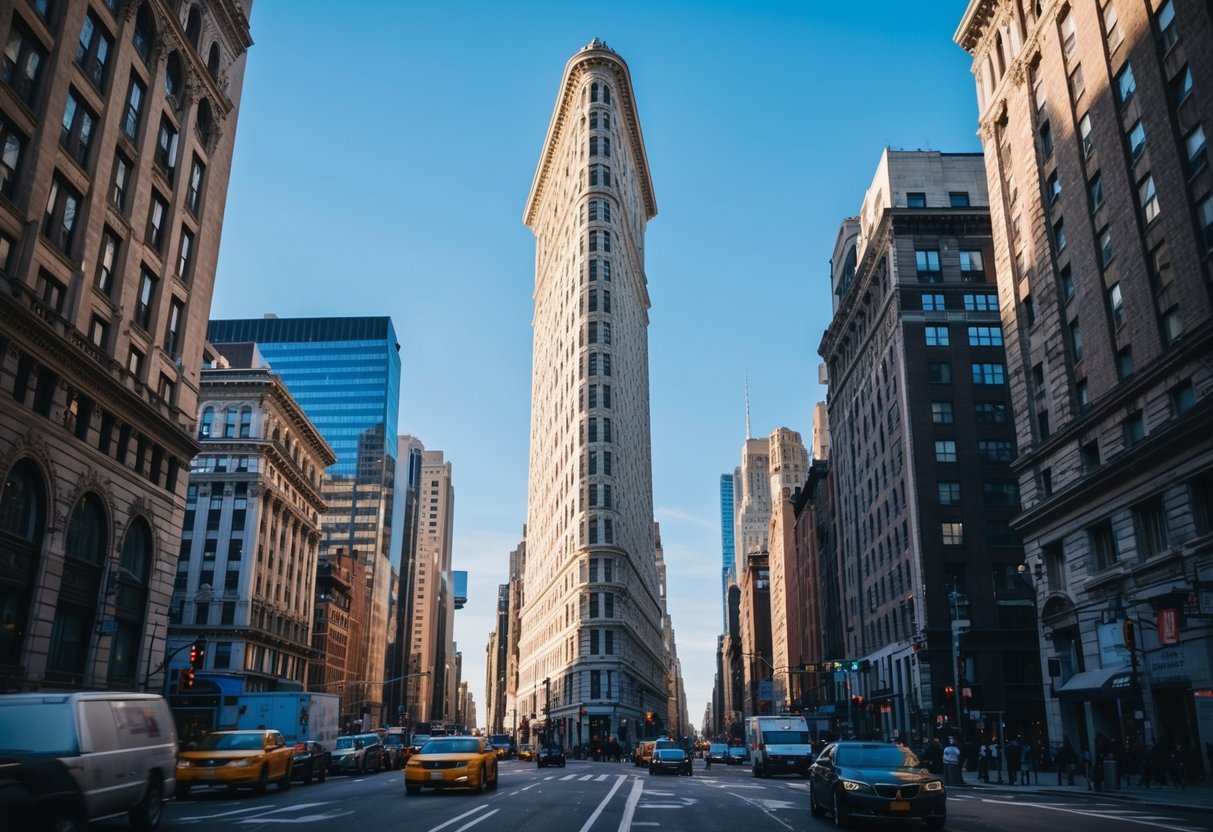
(1117, 796)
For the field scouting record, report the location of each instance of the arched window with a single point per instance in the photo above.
(204, 123)
(207, 423)
(212, 62)
(76, 612)
(144, 33)
(193, 26)
(593, 93)
(22, 524)
(173, 73)
(246, 422)
(130, 603)
(229, 425)
(606, 94)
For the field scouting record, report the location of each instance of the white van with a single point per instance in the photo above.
(117, 750)
(780, 745)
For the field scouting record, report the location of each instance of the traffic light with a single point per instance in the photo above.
(948, 691)
(185, 679)
(198, 653)
(1130, 637)
(648, 717)
(858, 701)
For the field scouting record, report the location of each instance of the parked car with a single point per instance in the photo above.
(236, 758)
(357, 754)
(311, 762)
(446, 762)
(394, 750)
(874, 780)
(70, 758)
(718, 752)
(549, 755)
(670, 761)
(738, 754)
(526, 752)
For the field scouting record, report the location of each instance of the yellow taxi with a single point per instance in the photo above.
(452, 762)
(526, 752)
(236, 758)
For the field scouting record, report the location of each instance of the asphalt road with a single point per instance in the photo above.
(615, 797)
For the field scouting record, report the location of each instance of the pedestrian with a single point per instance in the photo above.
(1014, 760)
(983, 762)
(932, 755)
(1025, 765)
(1086, 766)
(1067, 761)
(951, 763)
(995, 760)
(1179, 777)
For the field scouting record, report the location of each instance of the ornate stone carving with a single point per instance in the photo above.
(1018, 73)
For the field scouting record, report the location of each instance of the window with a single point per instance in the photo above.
(1137, 139)
(1183, 398)
(1076, 339)
(990, 413)
(1103, 545)
(212, 62)
(147, 295)
(985, 336)
(989, 373)
(1105, 247)
(995, 450)
(1000, 493)
(1124, 363)
(142, 36)
(1069, 36)
(952, 534)
(941, 413)
(134, 107)
(958, 199)
(945, 450)
(1095, 190)
(1077, 85)
(1116, 304)
(166, 147)
(122, 181)
(185, 258)
(981, 303)
(92, 52)
(1053, 186)
(1126, 84)
(932, 303)
(600, 175)
(1038, 374)
(937, 336)
(1084, 130)
(1166, 25)
(156, 221)
(134, 363)
(949, 493)
(22, 66)
(1150, 527)
(194, 194)
(51, 291)
(98, 331)
(1066, 276)
(1149, 199)
(1046, 139)
(172, 333)
(1059, 234)
(939, 372)
(1135, 428)
(1194, 142)
(928, 265)
(107, 260)
(77, 128)
(971, 263)
(1112, 31)
(1083, 393)
(1205, 211)
(1172, 326)
(62, 209)
(12, 144)
(916, 200)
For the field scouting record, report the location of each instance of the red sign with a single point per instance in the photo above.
(1168, 626)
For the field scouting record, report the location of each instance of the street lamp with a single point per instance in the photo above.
(958, 625)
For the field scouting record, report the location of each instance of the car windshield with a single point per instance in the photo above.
(785, 737)
(393, 739)
(875, 756)
(231, 742)
(718, 748)
(347, 742)
(670, 754)
(737, 751)
(451, 746)
(44, 726)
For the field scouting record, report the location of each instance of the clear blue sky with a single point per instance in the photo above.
(383, 157)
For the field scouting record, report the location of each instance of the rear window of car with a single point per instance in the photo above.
(45, 727)
(231, 742)
(393, 739)
(669, 754)
(346, 742)
(665, 744)
(451, 746)
(875, 756)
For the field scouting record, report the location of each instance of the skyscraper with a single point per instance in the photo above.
(591, 630)
(728, 561)
(345, 374)
(117, 124)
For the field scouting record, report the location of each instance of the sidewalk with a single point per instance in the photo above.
(1197, 796)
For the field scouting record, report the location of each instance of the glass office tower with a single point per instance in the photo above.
(345, 373)
(728, 550)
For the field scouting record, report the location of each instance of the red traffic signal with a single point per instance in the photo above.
(185, 681)
(648, 716)
(198, 653)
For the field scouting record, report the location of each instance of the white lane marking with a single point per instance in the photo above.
(524, 788)
(569, 777)
(602, 777)
(758, 805)
(598, 811)
(585, 777)
(645, 823)
(475, 821)
(224, 814)
(458, 818)
(1089, 814)
(328, 814)
(629, 808)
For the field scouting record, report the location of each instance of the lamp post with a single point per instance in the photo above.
(958, 624)
(771, 676)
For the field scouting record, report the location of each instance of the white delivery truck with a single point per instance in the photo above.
(779, 745)
(297, 715)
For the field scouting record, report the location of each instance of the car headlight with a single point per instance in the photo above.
(183, 764)
(414, 763)
(933, 786)
(247, 761)
(855, 786)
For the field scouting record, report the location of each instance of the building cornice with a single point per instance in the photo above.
(227, 384)
(594, 56)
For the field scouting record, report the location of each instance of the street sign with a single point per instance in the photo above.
(107, 627)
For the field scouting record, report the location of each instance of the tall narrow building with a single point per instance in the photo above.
(591, 628)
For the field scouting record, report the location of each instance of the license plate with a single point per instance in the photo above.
(437, 775)
(899, 805)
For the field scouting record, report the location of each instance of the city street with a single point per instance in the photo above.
(614, 797)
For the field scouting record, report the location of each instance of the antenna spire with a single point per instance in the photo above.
(748, 435)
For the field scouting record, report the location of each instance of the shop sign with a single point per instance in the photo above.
(1168, 626)
(1169, 665)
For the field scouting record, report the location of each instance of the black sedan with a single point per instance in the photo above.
(738, 754)
(311, 761)
(874, 780)
(670, 761)
(549, 755)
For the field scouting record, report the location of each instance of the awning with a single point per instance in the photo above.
(1093, 685)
